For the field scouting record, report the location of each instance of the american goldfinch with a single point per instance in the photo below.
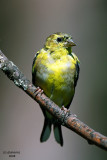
(55, 70)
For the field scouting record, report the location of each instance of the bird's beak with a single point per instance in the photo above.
(70, 42)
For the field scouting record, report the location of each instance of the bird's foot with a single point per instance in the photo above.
(66, 111)
(38, 91)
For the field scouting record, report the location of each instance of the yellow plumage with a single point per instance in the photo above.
(55, 70)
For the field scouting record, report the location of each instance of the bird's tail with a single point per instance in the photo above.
(47, 130)
(58, 134)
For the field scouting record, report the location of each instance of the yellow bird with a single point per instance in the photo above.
(55, 70)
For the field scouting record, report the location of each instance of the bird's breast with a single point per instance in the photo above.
(56, 78)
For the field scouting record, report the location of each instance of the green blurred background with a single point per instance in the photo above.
(24, 26)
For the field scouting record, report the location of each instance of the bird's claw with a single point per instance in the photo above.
(66, 111)
(38, 91)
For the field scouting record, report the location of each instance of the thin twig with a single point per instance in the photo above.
(66, 119)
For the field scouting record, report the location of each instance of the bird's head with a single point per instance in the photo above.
(58, 40)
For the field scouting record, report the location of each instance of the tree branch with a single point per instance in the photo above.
(66, 119)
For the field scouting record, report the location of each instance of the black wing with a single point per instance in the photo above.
(77, 74)
(33, 70)
(75, 81)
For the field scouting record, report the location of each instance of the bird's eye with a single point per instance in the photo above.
(59, 39)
